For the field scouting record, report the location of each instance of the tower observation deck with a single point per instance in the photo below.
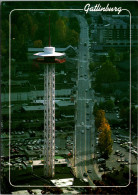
(48, 59)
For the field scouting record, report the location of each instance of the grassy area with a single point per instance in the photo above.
(58, 157)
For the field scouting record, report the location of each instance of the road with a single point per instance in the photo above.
(84, 128)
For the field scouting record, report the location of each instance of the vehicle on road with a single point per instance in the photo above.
(82, 131)
(87, 103)
(85, 76)
(82, 123)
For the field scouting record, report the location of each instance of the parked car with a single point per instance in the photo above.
(85, 175)
(101, 169)
(101, 160)
(89, 171)
(118, 160)
(122, 155)
(117, 151)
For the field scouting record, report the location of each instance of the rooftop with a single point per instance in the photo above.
(33, 108)
(64, 103)
(40, 163)
(25, 192)
(63, 182)
(56, 49)
(63, 92)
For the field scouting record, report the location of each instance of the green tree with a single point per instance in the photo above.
(112, 54)
(61, 30)
(74, 24)
(4, 49)
(109, 105)
(134, 118)
(72, 37)
(107, 74)
(38, 43)
(100, 20)
(95, 109)
(93, 66)
(4, 37)
(124, 114)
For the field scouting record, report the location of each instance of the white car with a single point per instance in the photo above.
(82, 123)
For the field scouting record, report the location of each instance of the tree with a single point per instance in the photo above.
(61, 30)
(109, 105)
(74, 24)
(100, 118)
(93, 66)
(100, 20)
(134, 118)
(95, 109)
(107, 73)
(105, 141)
(38, 43)
(112, 54)
(124, 114)
(72, 37)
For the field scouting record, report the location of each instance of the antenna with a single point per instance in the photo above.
(49, 33)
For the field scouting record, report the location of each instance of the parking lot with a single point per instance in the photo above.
(120, 155)
(31, 144)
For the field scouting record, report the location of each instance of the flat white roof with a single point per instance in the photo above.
(72, 191)
(63, 182)
(39, 162)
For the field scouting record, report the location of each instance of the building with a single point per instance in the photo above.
(115, 31)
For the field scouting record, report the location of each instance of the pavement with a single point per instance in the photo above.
(84, 128)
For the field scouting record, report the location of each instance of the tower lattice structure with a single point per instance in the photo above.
(49, 120)
(49, 62)
(49, 58)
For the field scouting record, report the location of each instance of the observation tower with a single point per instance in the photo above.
(48, 59)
